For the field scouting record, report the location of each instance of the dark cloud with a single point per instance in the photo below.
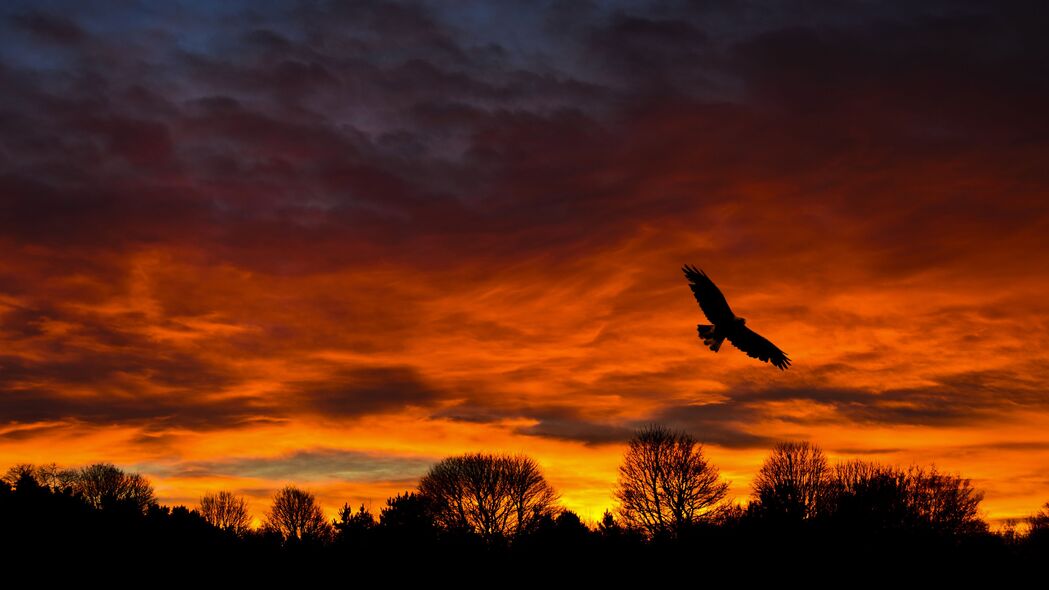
(955, 399)
(735, 421)
(309, 465)
(866, 451)
(51, 28)
(565, 422)
(567, 428)
(723, 424)
(369, 390)
(655, 55)
(152, 412)
(174, 390)
(962, 399)
(304, 133)
(1031, 445)
(719, 424)
(958, 399)
(102, 352)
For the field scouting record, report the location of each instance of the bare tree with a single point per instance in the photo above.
(665, 483)
(48, 476)
(794, 481)
(1038, 526)
(864, 495)
(105, 486)
(529, 494)
(21, 475)
(496, 496)
(944, 502)
(226, 511)
(849, 476)
(1040, 520)
(296, 514)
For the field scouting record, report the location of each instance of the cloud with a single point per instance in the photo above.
(953, 399)
(49, 27)
(721, 424)
(28, 406)
(363, 391)
(33, 431)
(308, 465)
(734, 421)
(718, 424)
(578, 430)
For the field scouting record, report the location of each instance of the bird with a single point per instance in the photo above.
(726, 324)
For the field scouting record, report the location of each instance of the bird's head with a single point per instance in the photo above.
(742, 321)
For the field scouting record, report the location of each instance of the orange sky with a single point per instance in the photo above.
(284, 258)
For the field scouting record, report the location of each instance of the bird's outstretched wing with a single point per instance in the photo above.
(710, 299)
(757, 346)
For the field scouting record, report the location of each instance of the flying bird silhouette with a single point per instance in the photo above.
(726, 324)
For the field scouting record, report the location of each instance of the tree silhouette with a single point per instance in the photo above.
(793, 482)
(495, 496)
(105, 486)
(608, 526)
(353, 527)
(902, 517)
(48, 476)
(408, 511)
(569, 528)
(944, 503)
(562, 534)
(21, 475)
(297, 516)
(408, 518)
(864, 495)
(226, 511)
(665, 483)
(1038, 527)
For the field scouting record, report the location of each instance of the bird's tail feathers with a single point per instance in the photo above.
(706, 333)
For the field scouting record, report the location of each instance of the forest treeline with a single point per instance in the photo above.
(498, 511)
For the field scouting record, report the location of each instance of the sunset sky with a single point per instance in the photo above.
(329, 244)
